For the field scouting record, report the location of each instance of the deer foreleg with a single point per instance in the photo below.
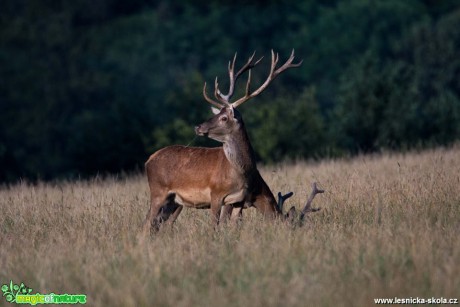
(216, 207)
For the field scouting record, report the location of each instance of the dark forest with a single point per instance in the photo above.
(95, 87)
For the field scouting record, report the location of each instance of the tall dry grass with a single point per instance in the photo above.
(389, 226)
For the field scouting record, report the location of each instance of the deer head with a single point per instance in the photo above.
(220, 127)
(227, 119)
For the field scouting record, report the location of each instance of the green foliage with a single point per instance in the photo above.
(88, 88)
(406, 99)
(292, 127)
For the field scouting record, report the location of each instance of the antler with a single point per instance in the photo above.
(224, 100)
(282, 198)
(233, 77)
(308, 207)
(272, 75)
(214, 103)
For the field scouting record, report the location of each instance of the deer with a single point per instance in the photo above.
(220, 178)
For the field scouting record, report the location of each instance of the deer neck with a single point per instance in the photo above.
(239, 152)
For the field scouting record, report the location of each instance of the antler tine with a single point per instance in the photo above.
(248, 65)
(288, 64)
(231, 72)
(214, 103)
(275, 59)
(218, 94)
(282, 198)
(231, 65)
(271, 76)
(248, 84)
(233, 77)
(308, 207)
(231, 69)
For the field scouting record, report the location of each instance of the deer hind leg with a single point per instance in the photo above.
(169, 209)
(175, 214)
(155, 214)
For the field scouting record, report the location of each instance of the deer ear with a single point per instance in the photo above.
(215, 111)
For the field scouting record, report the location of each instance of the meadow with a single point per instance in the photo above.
(389, 227)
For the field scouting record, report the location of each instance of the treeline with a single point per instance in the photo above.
(92, 87)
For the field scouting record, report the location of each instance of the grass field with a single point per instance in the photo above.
(389, 227)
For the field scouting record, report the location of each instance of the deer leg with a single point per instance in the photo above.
(159, 211)
(175, 214)
(169, 208)
(215, 213)
(150, 219)
(225, 213)
(237, 215)
(216, 207)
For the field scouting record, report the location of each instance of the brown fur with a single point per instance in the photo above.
(201, 178)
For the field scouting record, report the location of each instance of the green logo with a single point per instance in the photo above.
(21, 294)
(13, 290)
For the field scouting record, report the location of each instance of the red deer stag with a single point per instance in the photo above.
(223, 177)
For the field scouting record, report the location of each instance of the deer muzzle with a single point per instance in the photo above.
(201, 131)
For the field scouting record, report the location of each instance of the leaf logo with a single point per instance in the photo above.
(12, 290)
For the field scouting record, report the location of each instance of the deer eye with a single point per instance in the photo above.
(224, 118)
